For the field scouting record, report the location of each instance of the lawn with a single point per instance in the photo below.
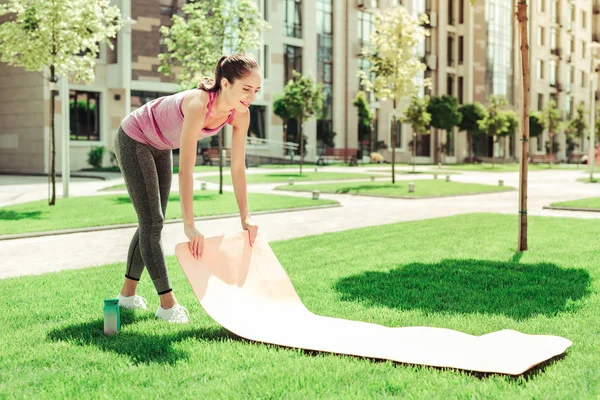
(423, 188)
(587, 180)
(512, 167)
(81, 212)
(308, 175)
(590, 202)
(197, 168)
(456, 273)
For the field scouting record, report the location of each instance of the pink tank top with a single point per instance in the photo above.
(158, 123)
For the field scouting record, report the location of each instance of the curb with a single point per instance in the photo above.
(572, 209)
(401, 197)
(171, 221)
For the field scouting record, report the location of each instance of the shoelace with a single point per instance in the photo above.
(180, 312)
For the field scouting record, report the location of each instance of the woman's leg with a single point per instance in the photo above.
(139, 168)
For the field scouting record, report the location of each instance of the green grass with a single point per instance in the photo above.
(460, 273)
(423, 188)
(512, 167)
(591, 203)
(308, 174)
(417, 172)
(81, 212)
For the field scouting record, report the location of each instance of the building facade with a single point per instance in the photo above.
(472, 52)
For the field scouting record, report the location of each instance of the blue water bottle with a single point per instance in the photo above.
(112, 316)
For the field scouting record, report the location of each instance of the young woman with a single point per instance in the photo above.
(143, 147)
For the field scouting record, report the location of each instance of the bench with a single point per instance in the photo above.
(211, 155)
(334, 154)
(543, 158)
(575, 158)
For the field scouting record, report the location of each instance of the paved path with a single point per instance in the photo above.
(78, 250)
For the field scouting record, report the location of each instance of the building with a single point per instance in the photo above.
(472, 52)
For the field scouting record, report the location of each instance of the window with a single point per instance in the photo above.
(569, 106)
(540, 101)
(450, 49)
(450, 85)
(461, 49)
(398, 133)
(552, 75)
(293, 18)
(292, 61)
(583, 19)
(572, 45)
(257, 128)
(264, 60)
(583, 78)
(553, 38)
(265, 9)
(461, 11)
(540, 69)
(324, 32)
(553, 11)
(582, 49)
(460, 90)
(542, 6)
(450, 12)
(84, 115)
(540, 33)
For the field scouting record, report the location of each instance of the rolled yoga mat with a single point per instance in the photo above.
(246, 290)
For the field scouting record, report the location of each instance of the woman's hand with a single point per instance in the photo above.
(251, 227)
(196, 240)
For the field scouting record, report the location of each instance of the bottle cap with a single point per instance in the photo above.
(111, 302)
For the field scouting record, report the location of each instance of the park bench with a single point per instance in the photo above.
(543, 158)
(349, 155)
(211, 155)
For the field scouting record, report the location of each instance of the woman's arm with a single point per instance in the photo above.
(194, 110)
(240, 125)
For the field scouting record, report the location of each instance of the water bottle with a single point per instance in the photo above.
(112, 316)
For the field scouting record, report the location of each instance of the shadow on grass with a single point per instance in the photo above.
(515, 290)
(18, 215)
(172, 198)
(141, 348)
(358, 189)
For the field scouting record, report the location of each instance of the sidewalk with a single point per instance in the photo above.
(77, 250)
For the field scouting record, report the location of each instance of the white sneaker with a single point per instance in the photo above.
(176, 314)
(132, 302)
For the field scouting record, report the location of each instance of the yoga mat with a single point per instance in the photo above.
(246, 290)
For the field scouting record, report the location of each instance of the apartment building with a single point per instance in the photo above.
(472, 52)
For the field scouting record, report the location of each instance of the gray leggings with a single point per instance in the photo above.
(148, 174)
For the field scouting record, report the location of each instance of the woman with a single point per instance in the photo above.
(143, 147)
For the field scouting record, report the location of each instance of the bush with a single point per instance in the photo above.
(95, 156)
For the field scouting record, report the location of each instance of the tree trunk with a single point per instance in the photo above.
(53, 80)
(301, 134)
(371, 137)
(551, 150)
(221, 162)
(436, 140)
(414, 149)
(470, 139)
(394, 146)
(494, 152)
(524, 105)
(284, 139)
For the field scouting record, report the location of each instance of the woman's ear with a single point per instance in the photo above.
(224, 83)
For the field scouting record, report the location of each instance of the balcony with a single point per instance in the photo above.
(555, 51)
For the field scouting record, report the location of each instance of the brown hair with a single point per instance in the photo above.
(231, 67)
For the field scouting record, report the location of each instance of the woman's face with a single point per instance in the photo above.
(243, 91)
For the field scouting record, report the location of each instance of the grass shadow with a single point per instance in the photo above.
(514, 290)
(358, 189)
(18, 215)
(139, 347)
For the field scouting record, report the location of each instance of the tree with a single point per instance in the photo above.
(444, 115)
(394, 61)
(577, 127)
(281, 110)
(196, 41)
(512, 125)
(365, 115)
(303, 99)
(524, 116)
(419, 119)
(552, 118)
(496, 122)
(61, 36)
(471, 115)
(536, 124)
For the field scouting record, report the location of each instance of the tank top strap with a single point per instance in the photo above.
(211, 100)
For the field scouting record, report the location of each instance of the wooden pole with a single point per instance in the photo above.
(524, 109)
